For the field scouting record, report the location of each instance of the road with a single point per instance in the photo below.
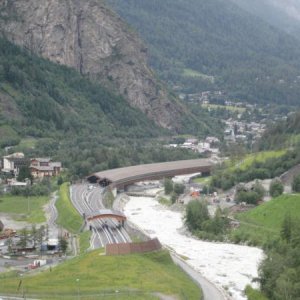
(209, 290)
(52, 214)
(87, 199)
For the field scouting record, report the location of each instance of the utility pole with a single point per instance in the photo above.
(78, 288)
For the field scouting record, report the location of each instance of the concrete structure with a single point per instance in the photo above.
(44, 167)
(13, 162)
(107, 213)
(129, 248)
(121, 177)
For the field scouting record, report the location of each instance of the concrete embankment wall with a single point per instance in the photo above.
(129, 248)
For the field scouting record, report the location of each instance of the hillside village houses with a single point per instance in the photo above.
(44, 167)
(240, 130)
(13, 162)
(209, 146)
(39, 167)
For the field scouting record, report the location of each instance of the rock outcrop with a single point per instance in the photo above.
(86, 35)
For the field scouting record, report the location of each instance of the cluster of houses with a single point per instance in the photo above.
(241, 131)
(209, 146)
(202, 97)
(214, 97)
(39, 167)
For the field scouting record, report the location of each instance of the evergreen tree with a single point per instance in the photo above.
(179, 188)
(168, 185)
(24, 173)
(23, 238)
(286, 228)
(296, 184)
(63, 244)
(196, 215)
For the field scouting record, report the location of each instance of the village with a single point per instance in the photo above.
(14, 164)
(18, 173)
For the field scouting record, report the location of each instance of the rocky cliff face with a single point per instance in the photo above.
(86, 35)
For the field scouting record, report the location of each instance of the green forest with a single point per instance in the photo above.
(70, 118)
(215, 45)
(282, 134)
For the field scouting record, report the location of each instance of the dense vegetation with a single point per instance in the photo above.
(173, 189)
(51, 110)
(280, 271)
(51, 100)
(270, 168)
(284, 133)
(282, 14)
(202, 225)
(215, 45)
(249, 196)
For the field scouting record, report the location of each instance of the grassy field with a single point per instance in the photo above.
(202, 180)
(95, 274)
(68, 216)
(264, 222)
(27, 143)
(84, 241)
(193, 73)
(249, 159)
(29, 209)
(253, 294)
(228, 107)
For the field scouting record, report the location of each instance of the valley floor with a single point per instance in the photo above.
(230, 267)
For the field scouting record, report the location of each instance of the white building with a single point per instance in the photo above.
(13, 162)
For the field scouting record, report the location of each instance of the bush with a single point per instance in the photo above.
(179, 188)
(253, 294)
(174, 198)
(276, 188)
(250, 197)
(168, 184)
(196, 214)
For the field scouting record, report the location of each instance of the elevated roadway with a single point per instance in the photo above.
(122, 177)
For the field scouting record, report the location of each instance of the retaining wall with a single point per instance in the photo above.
(129, 248)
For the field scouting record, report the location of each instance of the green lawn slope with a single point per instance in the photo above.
(262, 156)
(94, 274)
(264, 222)
(68, 217)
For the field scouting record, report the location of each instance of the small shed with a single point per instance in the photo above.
(1, 226)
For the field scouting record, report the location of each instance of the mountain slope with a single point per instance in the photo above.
(41, 99)
(86, 35)
(55, 111)
(282, 134)
(283, 14)
(230, 49)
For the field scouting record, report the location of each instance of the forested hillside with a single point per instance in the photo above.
(283, 14)
(283, 134)
(215, 45)
(41, 99)
(74, 120)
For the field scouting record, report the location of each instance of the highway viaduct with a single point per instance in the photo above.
(122, 177)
